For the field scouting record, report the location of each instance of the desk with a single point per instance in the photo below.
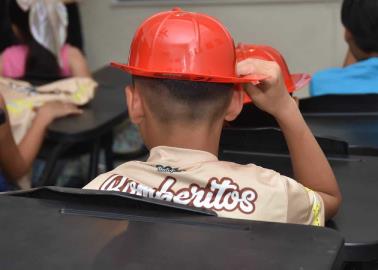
(358, 130)
(358, 179)
(76, 231)
(110, 76)
(92, 129)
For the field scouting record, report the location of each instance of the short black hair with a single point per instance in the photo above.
(182, 100)
(7, 36)
(39, 61)
(360, 17)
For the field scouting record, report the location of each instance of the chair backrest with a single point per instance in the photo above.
(340, 104)
(253, 117)
(270, 140)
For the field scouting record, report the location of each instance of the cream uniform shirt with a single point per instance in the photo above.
(199, 179)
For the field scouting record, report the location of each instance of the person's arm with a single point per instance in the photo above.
(78, 63)
(16, 161)
(349, 59)
(311, 167)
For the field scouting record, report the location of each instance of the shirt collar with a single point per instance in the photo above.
(173, 155)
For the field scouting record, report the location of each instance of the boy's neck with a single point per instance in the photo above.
(190, 137)
(361, 55)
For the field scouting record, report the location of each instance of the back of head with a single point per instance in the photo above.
(184, 102)
(360, 17)
(40, 61)
(183, 64)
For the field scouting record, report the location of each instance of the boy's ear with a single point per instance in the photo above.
(134, 105)
(235, 106)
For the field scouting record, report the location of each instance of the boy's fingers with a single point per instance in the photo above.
(255, 66)
(244, 68)
(251, 89)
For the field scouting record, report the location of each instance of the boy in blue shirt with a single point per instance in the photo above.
(359, 75)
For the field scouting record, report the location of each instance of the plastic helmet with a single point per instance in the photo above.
(293, 82)
(184, 45)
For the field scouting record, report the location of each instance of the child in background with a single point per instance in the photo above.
(42, 50)
(37, 54)
(181, 94)
(16, 161)
(359, 74)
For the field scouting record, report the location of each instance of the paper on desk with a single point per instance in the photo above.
(21, 99)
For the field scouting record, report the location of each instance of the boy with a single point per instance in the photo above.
(183, 67)
(358, 76)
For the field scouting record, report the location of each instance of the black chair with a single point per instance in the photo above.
(366, 103)
(251, 116)
(74, 151)
(270, 140)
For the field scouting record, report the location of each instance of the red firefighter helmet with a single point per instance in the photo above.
(293, 81)
(184, 45)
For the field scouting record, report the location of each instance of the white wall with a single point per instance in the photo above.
(307, 32)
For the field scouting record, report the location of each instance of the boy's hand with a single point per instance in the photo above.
(56, 109)
(271, 94)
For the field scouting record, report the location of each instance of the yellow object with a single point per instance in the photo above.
(21, 99)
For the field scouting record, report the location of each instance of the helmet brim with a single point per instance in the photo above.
(300, 80)
(253, 78)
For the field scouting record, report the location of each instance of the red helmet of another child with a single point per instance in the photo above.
(184, 45)
(293, 82)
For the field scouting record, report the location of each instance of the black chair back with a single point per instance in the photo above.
(253, 117)
(340, 104)
(270, 140)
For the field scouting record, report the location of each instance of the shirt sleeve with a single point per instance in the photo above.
(305, 206)
(98, 181)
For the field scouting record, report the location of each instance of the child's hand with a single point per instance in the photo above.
(56, 109)
(271, 94)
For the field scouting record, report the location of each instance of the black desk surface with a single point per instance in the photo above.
(72, 232)
(355, 129)
(107, 109)
(357, 219)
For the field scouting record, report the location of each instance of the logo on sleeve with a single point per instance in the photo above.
(167, 169)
